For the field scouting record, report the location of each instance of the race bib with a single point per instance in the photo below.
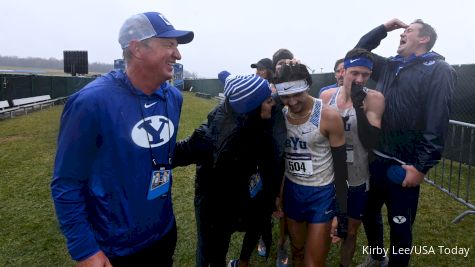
(349, 154)
(299, 164)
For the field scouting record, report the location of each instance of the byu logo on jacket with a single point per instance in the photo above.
(153, 131)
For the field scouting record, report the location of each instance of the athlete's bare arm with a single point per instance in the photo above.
(374, 107)
(326, 95)
(332, 126)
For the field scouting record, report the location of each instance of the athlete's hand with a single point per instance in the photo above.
(413, 176)
(266, 108)
(358, 94)
(333, 232)
(342, 227)
(278, 213)
(394, 24)
(97, 260)
(292, 61)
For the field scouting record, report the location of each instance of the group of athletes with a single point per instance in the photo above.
(322, 165)
(361, 147)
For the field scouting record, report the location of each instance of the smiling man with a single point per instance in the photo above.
(117, 136)
(316, 171)
(417, 85)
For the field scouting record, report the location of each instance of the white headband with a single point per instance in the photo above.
(292, 87)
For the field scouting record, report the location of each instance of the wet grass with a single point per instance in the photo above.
(29, 233)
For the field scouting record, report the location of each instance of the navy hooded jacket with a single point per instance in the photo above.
(418, 93)
(103, 166)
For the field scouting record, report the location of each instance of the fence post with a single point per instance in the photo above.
(32, 85)
(2, 87)
(51, 90)
(470, 162)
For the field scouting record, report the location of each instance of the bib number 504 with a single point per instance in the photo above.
(296, 166)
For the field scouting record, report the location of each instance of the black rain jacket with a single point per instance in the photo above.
(418, 93)
(227, 150)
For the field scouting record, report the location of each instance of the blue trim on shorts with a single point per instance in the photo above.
(312, 204)
(357, 199)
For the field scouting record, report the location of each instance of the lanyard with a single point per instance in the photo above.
(152, 156)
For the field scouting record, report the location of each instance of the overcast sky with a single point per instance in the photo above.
(233, 34)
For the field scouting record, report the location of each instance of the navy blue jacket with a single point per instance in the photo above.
(418, 93)
(103, 166)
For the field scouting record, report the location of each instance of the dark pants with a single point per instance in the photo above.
(158, 254)
(401, 203)
(258, 224)
(221, 212)
(251, 238)
(213, 234)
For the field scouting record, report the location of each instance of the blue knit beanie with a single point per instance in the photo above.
(245, 93)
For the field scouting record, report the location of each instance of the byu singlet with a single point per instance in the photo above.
(356, 154)
(308, 159)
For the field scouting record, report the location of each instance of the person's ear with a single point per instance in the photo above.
(424, 40)
(135, 48)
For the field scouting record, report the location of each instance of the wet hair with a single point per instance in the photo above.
(427, 30)
(282, 53)
(359, 52)
(289, 73)
(127, 54)
(269, 75)
(338, 62)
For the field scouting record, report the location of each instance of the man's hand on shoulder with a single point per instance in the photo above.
(97, 260)
(394, 24)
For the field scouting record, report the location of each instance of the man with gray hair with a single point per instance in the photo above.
(117, 134)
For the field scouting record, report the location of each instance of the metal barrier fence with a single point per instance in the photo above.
(454, 175)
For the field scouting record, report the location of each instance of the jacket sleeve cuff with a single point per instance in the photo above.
(382, 30)
(83, 249)
(422, 168)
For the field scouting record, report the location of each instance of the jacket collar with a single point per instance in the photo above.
(121, 76)
(401, 62)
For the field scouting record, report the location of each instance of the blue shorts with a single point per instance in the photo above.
(312, 204)
(357, 199)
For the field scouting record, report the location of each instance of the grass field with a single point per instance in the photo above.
(447, 173)
(29, 233)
